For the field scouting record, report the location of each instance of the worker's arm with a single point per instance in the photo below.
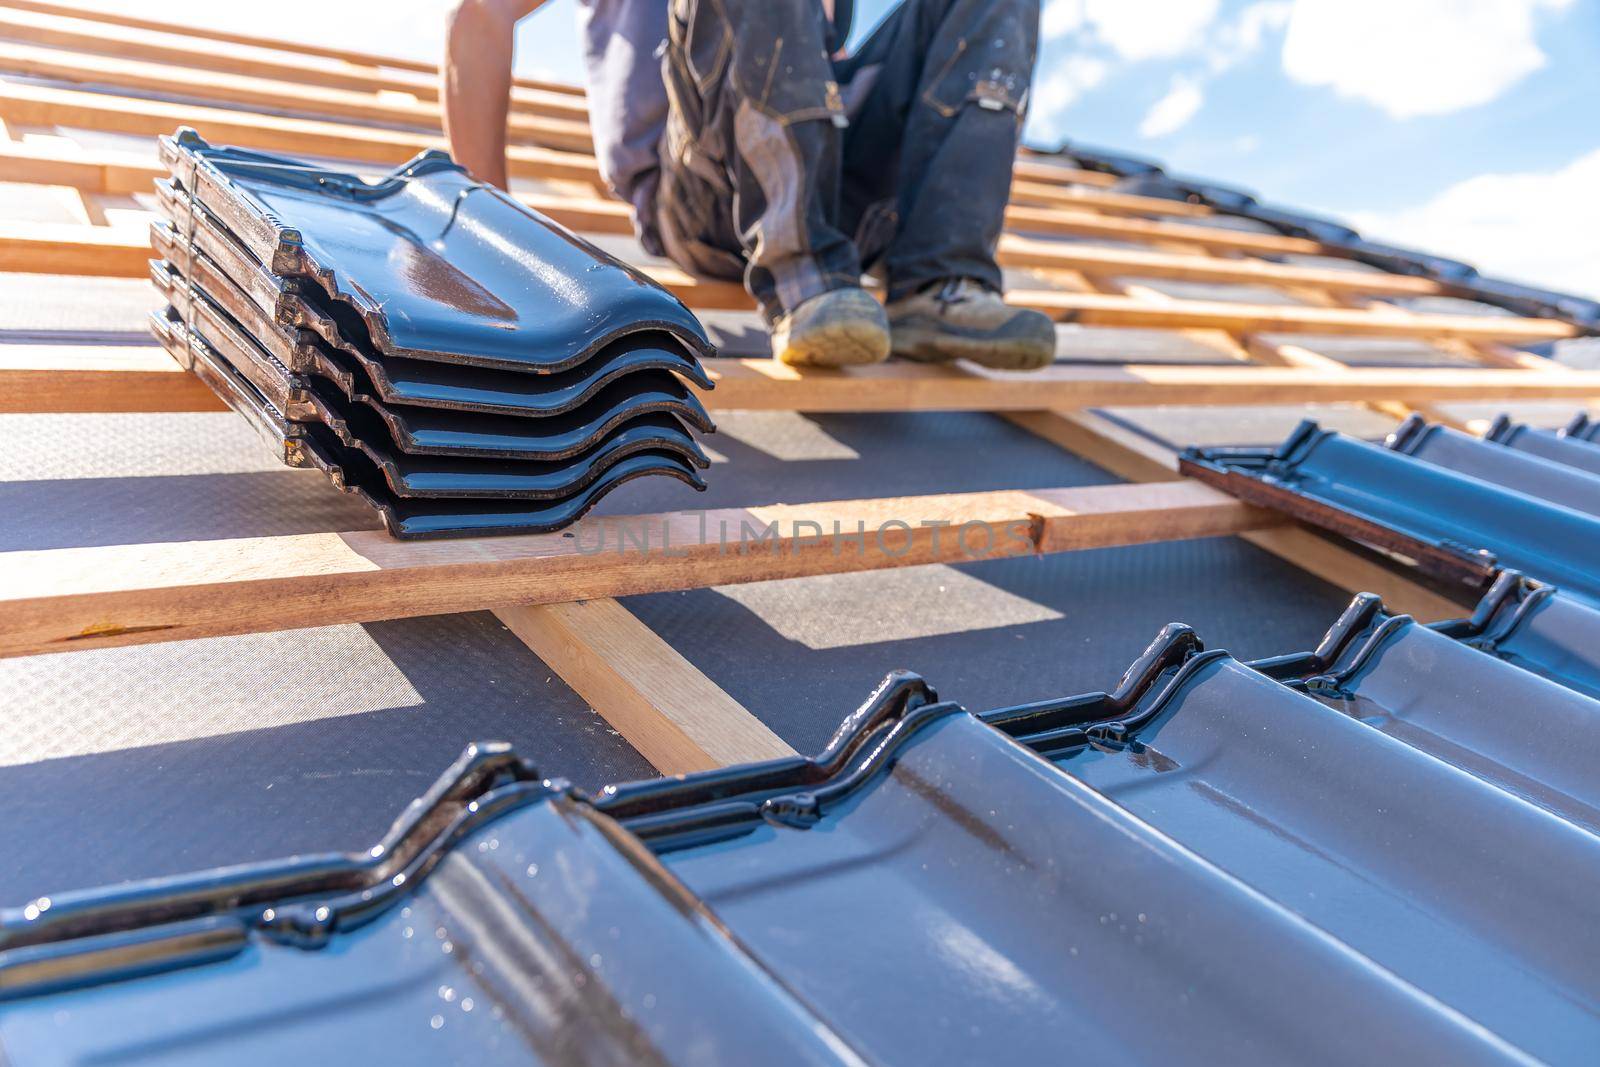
(476, 93)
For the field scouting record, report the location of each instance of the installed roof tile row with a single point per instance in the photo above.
(1377, 849)
(1462, 507)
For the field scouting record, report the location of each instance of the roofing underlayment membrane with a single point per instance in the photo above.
(1303, 829)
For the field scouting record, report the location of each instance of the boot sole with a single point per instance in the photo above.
(1001, 353)
(839, 344)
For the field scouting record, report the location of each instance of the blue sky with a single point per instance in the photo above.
(1467, 127)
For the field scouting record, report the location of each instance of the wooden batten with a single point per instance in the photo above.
(67, 599)
(1133, 456)
(271, 44)
(676, 717)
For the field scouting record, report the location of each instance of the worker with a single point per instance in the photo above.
(752, 148)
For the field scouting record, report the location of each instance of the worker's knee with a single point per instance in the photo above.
(773, 55)
(983, 57)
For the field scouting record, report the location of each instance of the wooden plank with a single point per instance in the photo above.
(169, 45)
(90, 378)
(766, 385)
(1097, 309)
(37, 106)
(1340, 567)
(316, 101)
(40, 106)
(1036, 170)
(178, 47)
(1291, 355)
(85, 207)
(1044, 194)
(1107, 444)
(46, 248)
(1089, 224)
(359, 59)
(70, 248)
(1220, 340)
(1498, 355)
(610, 216)
(1101, 261)
(97, 174)
(66, 599)
(676, 717)
(1135, 457)
(34, 105)
(114, 173)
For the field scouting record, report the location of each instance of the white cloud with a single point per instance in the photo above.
(1150, 29)
(1415, 57)
(1060, 17)
(1529, 227)
(1106, 35)
(1068, 79)
(1133, 29)
(1170, 113)
(1236, 41)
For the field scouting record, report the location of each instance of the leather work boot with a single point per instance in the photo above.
(839, 328)
(963, 319)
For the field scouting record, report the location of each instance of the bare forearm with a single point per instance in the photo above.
(476, 90)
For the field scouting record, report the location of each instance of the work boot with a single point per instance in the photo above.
(839, 328)
(964, 319)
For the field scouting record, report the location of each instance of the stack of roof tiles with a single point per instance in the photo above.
(1382, 850)
(461, 362)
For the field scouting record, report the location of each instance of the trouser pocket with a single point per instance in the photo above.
(990, 65)
(780, 64)
(700, 33)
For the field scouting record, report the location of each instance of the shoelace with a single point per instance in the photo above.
(953, 291)
(958, 291)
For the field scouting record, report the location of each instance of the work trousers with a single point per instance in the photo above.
(792, 171)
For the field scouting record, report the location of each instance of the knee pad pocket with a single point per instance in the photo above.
(788, 83)
(990, 67)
